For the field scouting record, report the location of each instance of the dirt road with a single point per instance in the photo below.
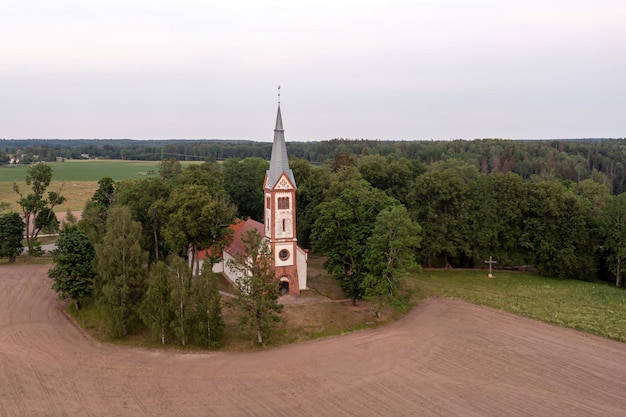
(446, 358)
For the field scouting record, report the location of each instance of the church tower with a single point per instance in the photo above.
(290, 261)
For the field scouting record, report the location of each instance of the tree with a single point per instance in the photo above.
(312, 184)
(243, 181)
(392, 175)
(94, 216)
(73, 273)
(156, 308)
(613, 229)
(35, 203)
(120, 273)
(11, 235)
(390, 253)
(146, 199)
(343, 226)
(181, 299)
(495, 217)
(198, 219)
(439, 203)
(256, 290)
(104, 195)
(208, 323)
(169, 169)
(556, 231)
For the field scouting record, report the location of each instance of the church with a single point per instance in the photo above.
(279, 227)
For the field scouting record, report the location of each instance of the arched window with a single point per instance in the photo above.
(283, 203)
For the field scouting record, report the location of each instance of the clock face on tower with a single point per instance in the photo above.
(283, 255)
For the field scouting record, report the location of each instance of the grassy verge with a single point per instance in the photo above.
(323, 314)
(596, 308)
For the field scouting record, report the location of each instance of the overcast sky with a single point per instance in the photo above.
(376, 69)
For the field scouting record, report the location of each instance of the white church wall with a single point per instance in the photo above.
(302, 267)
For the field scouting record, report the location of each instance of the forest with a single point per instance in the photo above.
(567, 160)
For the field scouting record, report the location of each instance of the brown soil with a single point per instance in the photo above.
(445, 358)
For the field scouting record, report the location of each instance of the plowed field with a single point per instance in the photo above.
(445, 358)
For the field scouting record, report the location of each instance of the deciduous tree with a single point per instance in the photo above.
(343, 226)
(198, 219)
(613, 228)
(390, 254)
(146, 199)
(256, 290)
(156, 308)
(73, 272)
(208, 323)
(35, 203)
(556, 231)
(243, 181)
(181, 299)
(120, 270)
(439, 204)
(11, 235)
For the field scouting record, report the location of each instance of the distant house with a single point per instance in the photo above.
(84, 155)
(60, 159)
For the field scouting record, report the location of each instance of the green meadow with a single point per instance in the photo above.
(593, 307)
(87, 170)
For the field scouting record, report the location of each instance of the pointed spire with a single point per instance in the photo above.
(280, 161)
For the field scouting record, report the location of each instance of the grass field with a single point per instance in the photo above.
(87, 170)
(592, 307)
(79, 178)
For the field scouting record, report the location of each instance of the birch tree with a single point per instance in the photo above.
(208, 323)
(120, 270)
(156, 308)
(256, 290)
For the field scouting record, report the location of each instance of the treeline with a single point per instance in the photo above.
(569, 160)
(560, 228)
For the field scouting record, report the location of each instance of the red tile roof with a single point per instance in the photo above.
(239, 229)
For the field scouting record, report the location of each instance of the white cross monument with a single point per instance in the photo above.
(490, 262)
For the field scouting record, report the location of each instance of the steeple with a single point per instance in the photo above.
(280, 161)
(279, 189)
